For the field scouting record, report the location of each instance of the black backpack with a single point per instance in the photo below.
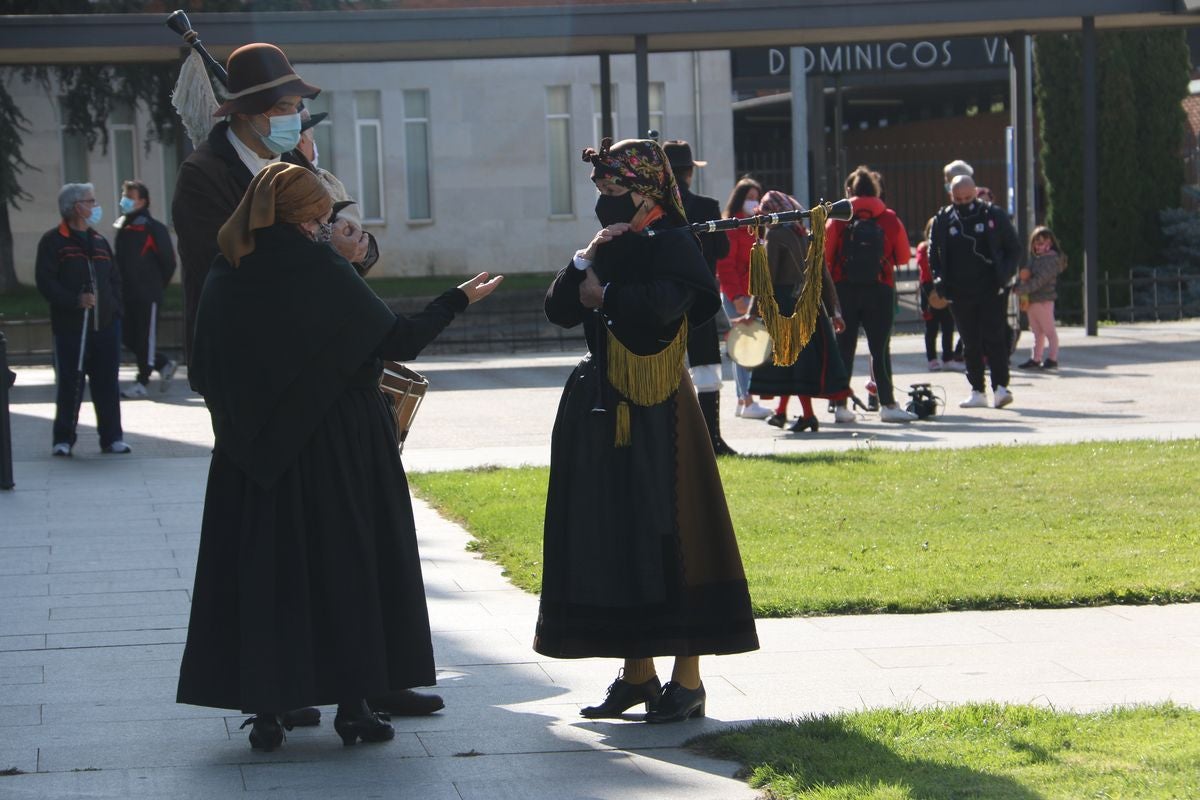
(862, 249)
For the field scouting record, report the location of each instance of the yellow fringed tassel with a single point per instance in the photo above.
(622, 437)
(790, 334)
(647, 380)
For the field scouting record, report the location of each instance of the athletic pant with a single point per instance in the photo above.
(983, 325)
(101, 360)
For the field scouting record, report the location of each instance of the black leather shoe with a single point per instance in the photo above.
(267, 733)
(406, 703)
(804, 423)
(722, 448)
(357, 721)
(301, 718)
(777, 420)
(678, 703)
(622, 696)
(1030, 364)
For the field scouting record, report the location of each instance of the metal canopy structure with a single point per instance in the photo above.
(561, 29)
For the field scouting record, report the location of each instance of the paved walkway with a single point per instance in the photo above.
(97, 556)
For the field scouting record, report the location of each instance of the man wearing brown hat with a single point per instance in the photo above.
(704, 348)
(263, 122)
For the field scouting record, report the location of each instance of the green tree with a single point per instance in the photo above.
(1142, 79)
(12, 126)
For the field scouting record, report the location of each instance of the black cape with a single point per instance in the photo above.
(308, 581)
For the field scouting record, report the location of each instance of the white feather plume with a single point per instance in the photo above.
(193, 98)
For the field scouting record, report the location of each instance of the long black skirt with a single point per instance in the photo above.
(640, 557)
(818, 372)
(310, 592)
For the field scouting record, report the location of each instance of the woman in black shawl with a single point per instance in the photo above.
(308, 583)
(640, 558)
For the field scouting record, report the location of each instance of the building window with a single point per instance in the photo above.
(74, 150)
(122, 135)
(416, 155)
(370, 155)
(323, 133)
(558, 148)
(657, 94)
(597, 127)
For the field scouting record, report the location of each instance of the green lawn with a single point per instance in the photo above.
(928, 530)
(985, 751)
(26, 301)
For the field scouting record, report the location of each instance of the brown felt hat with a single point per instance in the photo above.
(679, 153)
(260, 74)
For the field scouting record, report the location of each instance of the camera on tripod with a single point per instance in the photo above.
(923, 403)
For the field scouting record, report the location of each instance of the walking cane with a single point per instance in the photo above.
(83, 337)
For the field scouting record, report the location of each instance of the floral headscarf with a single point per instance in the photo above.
(776, 202)
(640, 166)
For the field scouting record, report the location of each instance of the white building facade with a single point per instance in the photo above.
(459, 166)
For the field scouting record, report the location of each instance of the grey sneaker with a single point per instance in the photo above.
(134, 392)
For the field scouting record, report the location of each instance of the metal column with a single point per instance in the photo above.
(642, 76)
(1091, 204)
(1021, 113)
(605, 98)
(799, 85)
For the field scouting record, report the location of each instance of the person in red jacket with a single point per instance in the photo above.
(862, 255)
(733, 273)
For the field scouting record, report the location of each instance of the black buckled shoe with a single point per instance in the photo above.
(678, 703)
(356, 722)
(406, 703)
(804, 423)
(622, 696)
(267, 733)
(722, 448)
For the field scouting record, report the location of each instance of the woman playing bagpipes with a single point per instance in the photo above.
(308, 583)
(640, 558)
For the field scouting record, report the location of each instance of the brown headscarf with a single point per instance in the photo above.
(641, 166)
(280, 192)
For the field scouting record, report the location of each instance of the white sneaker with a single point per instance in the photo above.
(135, 391)
(976, 400)
(118, 447)
(954, 366)
(61, 449)
(753, 411)
(843, 414)
(168, 372)
(1002, 397)
(935, 365)
(895, 414)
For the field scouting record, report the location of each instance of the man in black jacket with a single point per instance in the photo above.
(76, 273)
(703, 347)
(973, 255)
(146, 259)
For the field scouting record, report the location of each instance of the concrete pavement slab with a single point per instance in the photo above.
(97, 558)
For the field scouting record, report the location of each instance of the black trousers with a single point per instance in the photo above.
(983, 324)
(140, 333)
(870, 307)
(941, 321)
(102, 358)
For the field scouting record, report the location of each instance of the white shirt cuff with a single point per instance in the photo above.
(580, 263)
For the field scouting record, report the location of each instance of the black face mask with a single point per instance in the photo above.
(618, 208)
(964, 208)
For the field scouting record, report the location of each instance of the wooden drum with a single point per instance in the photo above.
(405, 389)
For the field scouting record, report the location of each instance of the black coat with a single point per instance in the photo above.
(308, 583)
(67, 262)
(973, 254)
(146, 257)
(704, 346)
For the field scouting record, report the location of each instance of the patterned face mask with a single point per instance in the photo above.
(324, 233)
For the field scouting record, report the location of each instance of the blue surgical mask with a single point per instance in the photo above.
(96, 216)
(284, 135)
(126, 204)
